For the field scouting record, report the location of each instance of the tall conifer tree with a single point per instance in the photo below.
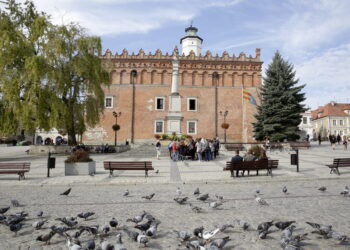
(279, 113)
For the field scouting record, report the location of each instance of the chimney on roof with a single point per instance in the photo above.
(333, 103)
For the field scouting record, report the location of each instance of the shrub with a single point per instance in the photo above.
(164, 136)
(189, 137)
(183, 137)
(116, 127)
(157, 136)
(78, 156)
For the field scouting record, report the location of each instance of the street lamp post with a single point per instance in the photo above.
(116, 115)
(224, 114)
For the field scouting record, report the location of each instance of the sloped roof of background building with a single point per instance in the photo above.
(338, 109)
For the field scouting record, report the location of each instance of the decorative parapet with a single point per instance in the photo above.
(207, 57)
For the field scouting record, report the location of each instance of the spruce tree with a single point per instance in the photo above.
(279, 113)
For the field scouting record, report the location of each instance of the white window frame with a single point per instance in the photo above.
(341, 122)
(304, 120)
(188, 127)
(155, 127)
(112, 102)
(188, 104)
(155, 104)
(334, 122)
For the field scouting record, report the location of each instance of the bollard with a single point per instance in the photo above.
(51, 162)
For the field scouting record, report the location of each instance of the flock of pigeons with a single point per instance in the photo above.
(145, 227)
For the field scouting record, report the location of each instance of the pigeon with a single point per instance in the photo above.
(323, 189)
(105, 229)
(345, 192)
(38, 224)
(157, 171)
(196, 244)
(285, 190)
(105, 245)
(15, 227)
(208, 234)
(257, 191)
(46, 237)
(131, 234)
(66, 193)
(40, 213)
(2, 217)
(263, 234)
(181, 201)
(16, 218)
(196, 191)
(143, 227)
(224, 227)
(220, 242)
(126, 193)
(148, 197)
(113, 223)
(4, 210)
(142, 239)
(243, 224)
(338, 236)
(59, 229)
(119, 245)
(203, 197)
(215, 204)
(152, 231)
(178, 191)
(15, 203)
(85, 215)
(198, 231)
(288, 232)
(138, 218)
(90, 245)
(283, 224)
(219, 197)
(195, 208)
(69, 223)
(73, 244)
(264, 226)
(91, 229)
(261, 201)
(320, 229)
(183, 235)
(148, 216)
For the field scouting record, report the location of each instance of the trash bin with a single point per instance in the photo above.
(294, 159)
(51, 162)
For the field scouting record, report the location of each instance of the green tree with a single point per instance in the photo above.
(50, 76)
(281, 106)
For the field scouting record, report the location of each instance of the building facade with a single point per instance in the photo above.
(331, 119)
(182, 93)
(306, 126)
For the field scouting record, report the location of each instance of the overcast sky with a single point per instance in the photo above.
(314, 35)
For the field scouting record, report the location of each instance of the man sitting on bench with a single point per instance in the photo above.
(236, 158)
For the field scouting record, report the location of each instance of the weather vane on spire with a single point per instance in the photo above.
(191, 23)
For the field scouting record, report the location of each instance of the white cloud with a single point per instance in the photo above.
(326, 76)
(109, 17)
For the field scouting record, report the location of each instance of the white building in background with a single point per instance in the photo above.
(53, 134)
(306, 126)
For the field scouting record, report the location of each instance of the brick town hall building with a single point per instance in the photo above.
(186, 93)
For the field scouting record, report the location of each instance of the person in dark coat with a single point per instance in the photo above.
(338, 139)
(236, 158)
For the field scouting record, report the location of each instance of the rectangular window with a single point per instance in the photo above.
(159, 127)
(304, 120)
(192, 104)
(341, 122)
(341, 132)
(160, 103)
(109, 102)
(334, 122)
(191, 127)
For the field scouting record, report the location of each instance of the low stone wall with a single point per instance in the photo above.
(45, 149)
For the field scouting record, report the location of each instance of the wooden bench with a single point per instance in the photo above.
(128, 165)
(339, 163)
(234, 146)
(252, 165)
(303, 144)
(15, 168)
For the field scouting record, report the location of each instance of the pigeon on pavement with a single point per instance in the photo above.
(66, 193)
(46, 237)
(126, 193)
(215, 204)
(40, 213)
(208, 234)
(220, 242)
(15, 203)
(138, 218)
(143, 227)
(345, 192)
(142, 239)
(85, 215)
(243, 224)
(183, 235)
(224, 227)
(113, 223)
(90, 244)
(4, 210)
(203, 197)
(283, 224)
(285, 190)
(195, 208)
(119, 245)
(178, 191)
(38, 224)
(196, 191)
(180, 200)
(148, 197)
(264, 226)
(261, 201)
(320, 229)
(323, 189)
(15, 227)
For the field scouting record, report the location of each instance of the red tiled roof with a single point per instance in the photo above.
(331, 109)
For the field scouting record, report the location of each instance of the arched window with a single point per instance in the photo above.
(133, 76)
(215, 79)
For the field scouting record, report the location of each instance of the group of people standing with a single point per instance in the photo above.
(337, 139)
(200, 149)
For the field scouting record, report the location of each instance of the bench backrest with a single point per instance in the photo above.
(299, 144)
(342, 162)
(262, 164)
(127, 164)
(15, 165)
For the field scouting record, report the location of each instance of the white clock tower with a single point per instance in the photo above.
(191, 42)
